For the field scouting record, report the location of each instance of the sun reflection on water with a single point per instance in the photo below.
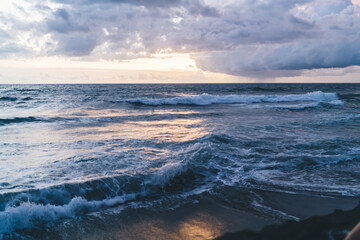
(63, 150)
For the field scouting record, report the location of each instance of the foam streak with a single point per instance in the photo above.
(207, 99)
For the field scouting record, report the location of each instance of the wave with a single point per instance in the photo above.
(26, 90)
(207, 99)
(8, 98)
(198, 165)
(13, 99)
(267, 89)
(44, 207)
(27, 99)
(308, 105)
(36, 208)
(28, 215)
(4, 121)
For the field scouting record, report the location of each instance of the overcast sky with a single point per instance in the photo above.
(179, 40)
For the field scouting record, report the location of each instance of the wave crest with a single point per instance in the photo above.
(27, 214)
(207, 99)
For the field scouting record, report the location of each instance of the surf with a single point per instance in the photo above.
(208, 99)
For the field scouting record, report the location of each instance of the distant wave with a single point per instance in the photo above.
(4, 121)
(308, 105)
(27, 99)
(267, 89)
(8, 98)
(207, 99)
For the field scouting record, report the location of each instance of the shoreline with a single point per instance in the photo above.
(333, 226)
(206, 219)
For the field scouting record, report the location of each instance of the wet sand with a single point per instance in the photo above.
(334, 226)
(322, 218)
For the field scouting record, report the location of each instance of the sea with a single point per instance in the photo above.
(70, 151)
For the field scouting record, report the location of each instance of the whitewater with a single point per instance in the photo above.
(206, 99)
(68, 152)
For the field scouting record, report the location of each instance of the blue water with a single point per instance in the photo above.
(71, 150)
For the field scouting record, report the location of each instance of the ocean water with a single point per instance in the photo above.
(67, 151)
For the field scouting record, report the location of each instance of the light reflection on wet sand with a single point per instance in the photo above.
(202, 226)
(194, 221)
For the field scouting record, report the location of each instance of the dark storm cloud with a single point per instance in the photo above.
(320, 34)
(281, 60)
(61, 23)
(81, 45)
(257, 38)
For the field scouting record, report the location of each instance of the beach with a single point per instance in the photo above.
(210, 219)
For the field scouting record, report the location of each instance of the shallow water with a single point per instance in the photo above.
(71, 150)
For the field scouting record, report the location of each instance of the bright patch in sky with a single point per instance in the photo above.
(167, 62)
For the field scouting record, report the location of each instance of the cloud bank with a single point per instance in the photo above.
(256, 38)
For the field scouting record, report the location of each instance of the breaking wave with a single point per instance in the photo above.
(107, 157)
(309, 105)
(38, 207)
(28, 214)
(207, 99)
(197, 167)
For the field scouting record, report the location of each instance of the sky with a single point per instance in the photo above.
(179, 41)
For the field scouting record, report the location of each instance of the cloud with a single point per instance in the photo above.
(62, 23)
(8, 49)
(80, 45)
(193, 6)
(316, 35)
(257, 38)
(281, 59)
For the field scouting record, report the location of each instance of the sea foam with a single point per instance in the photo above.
(207, 99)
(308, 105)
(28, 214)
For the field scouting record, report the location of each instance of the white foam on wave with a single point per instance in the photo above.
(308, 105)
(207, 99)
(298, 106)
(166, 173)
(27, 214)
(258, 204)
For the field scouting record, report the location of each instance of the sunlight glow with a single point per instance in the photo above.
(22, 10)
(356, 2)
(159, 62)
